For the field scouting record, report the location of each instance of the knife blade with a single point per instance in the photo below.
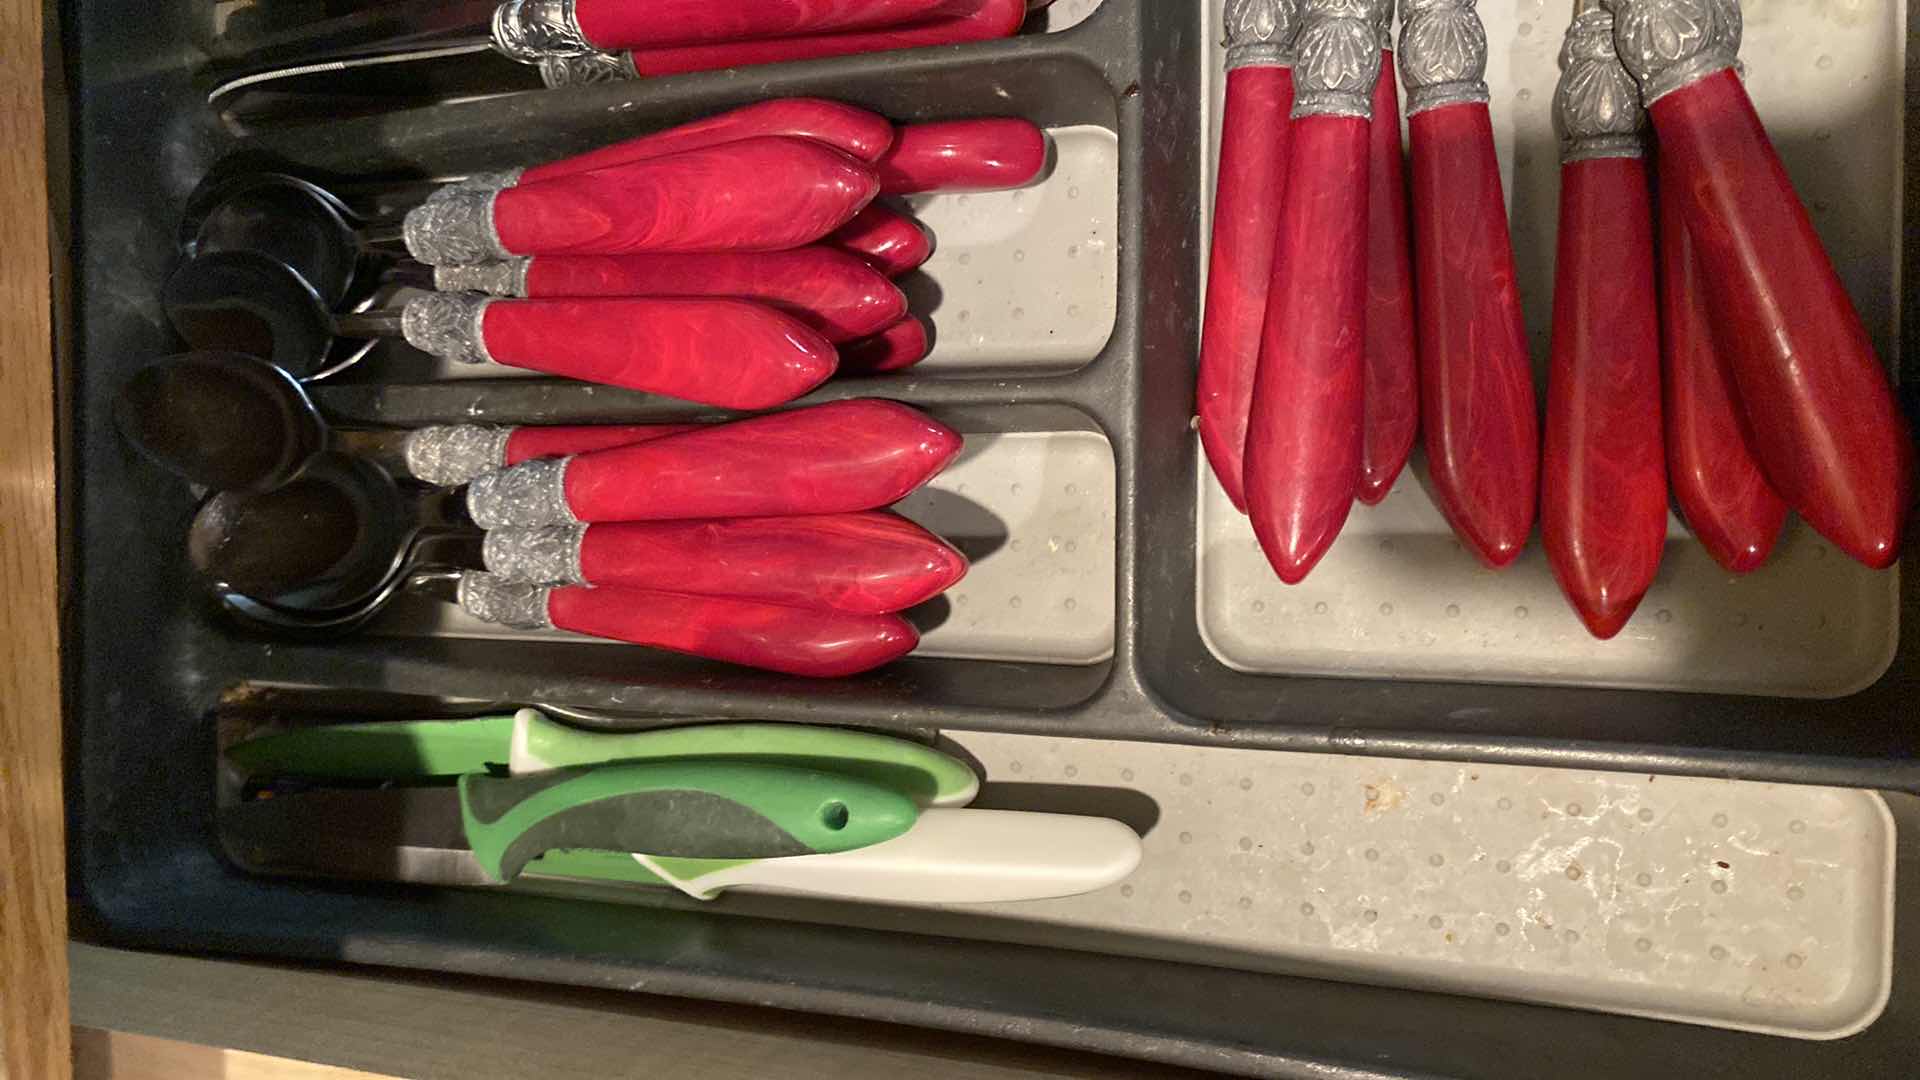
(531, 742)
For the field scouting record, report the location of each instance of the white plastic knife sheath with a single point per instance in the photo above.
(948, 857)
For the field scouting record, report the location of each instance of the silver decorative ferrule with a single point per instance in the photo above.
(483, 181)
(1670, 44)
(454, 227)
(454, 454)
(532, 30)
(448, 325)
(507, 278)
(589, 70)
(1732, 27)
(1383, 25)
(504, 603)
(529, 496)
(537, 556)
(1443, 54)
(1596, 109)
(1261, 33)
(1338, 59)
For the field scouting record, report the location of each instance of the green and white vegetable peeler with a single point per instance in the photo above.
(679, 809)
(700, 826)
(529, 742)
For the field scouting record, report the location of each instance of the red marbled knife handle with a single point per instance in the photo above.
(1393, 375)
(888, 241)
(1478, 408)
(612, 25)
(1826, 428)
(457, 454)
(534, 443)
(990, 154)
(869, 563)
(1603, 489)
(795, 641)
(1256, 122)
(759, 194)
(731, 353)
(853, 131)
(1734, 513)
(989, 19)
(836, 458)
(1304, 435)
(831, 291)
(896, 348)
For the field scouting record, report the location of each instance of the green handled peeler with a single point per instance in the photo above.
(488, 829)
(529, 742)
(699, 827)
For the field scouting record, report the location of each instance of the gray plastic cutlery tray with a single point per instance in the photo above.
(1104, 603)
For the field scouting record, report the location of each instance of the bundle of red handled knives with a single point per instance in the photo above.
(593, 40)
(737, 261)
(755, 542)
(1723, 359)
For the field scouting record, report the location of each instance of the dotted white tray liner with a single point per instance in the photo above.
(1759, 907)
(1035, 513)
(1397, 597)
(1026, 280)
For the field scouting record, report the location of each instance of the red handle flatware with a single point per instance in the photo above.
(1603, 488)
(831, 291)
(1477, 403)
(735, 354)
(888, 241)
(758, 194)
(611, 25)
(1826, 428)
(896, 348)
(455, 454)
(1719, 486)
(853, 131)
(1726, 500)
(983, 20)
(869, 563)
(533, 443)
(1255, 125)
(795, 641)
(841, 457)
(989, 154)
(1304, 436)
(1393, 375)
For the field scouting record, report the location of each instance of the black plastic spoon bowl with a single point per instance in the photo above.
(302, 226)
(329, 549)
(248, 302)
(237, 423)
(223, 420)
